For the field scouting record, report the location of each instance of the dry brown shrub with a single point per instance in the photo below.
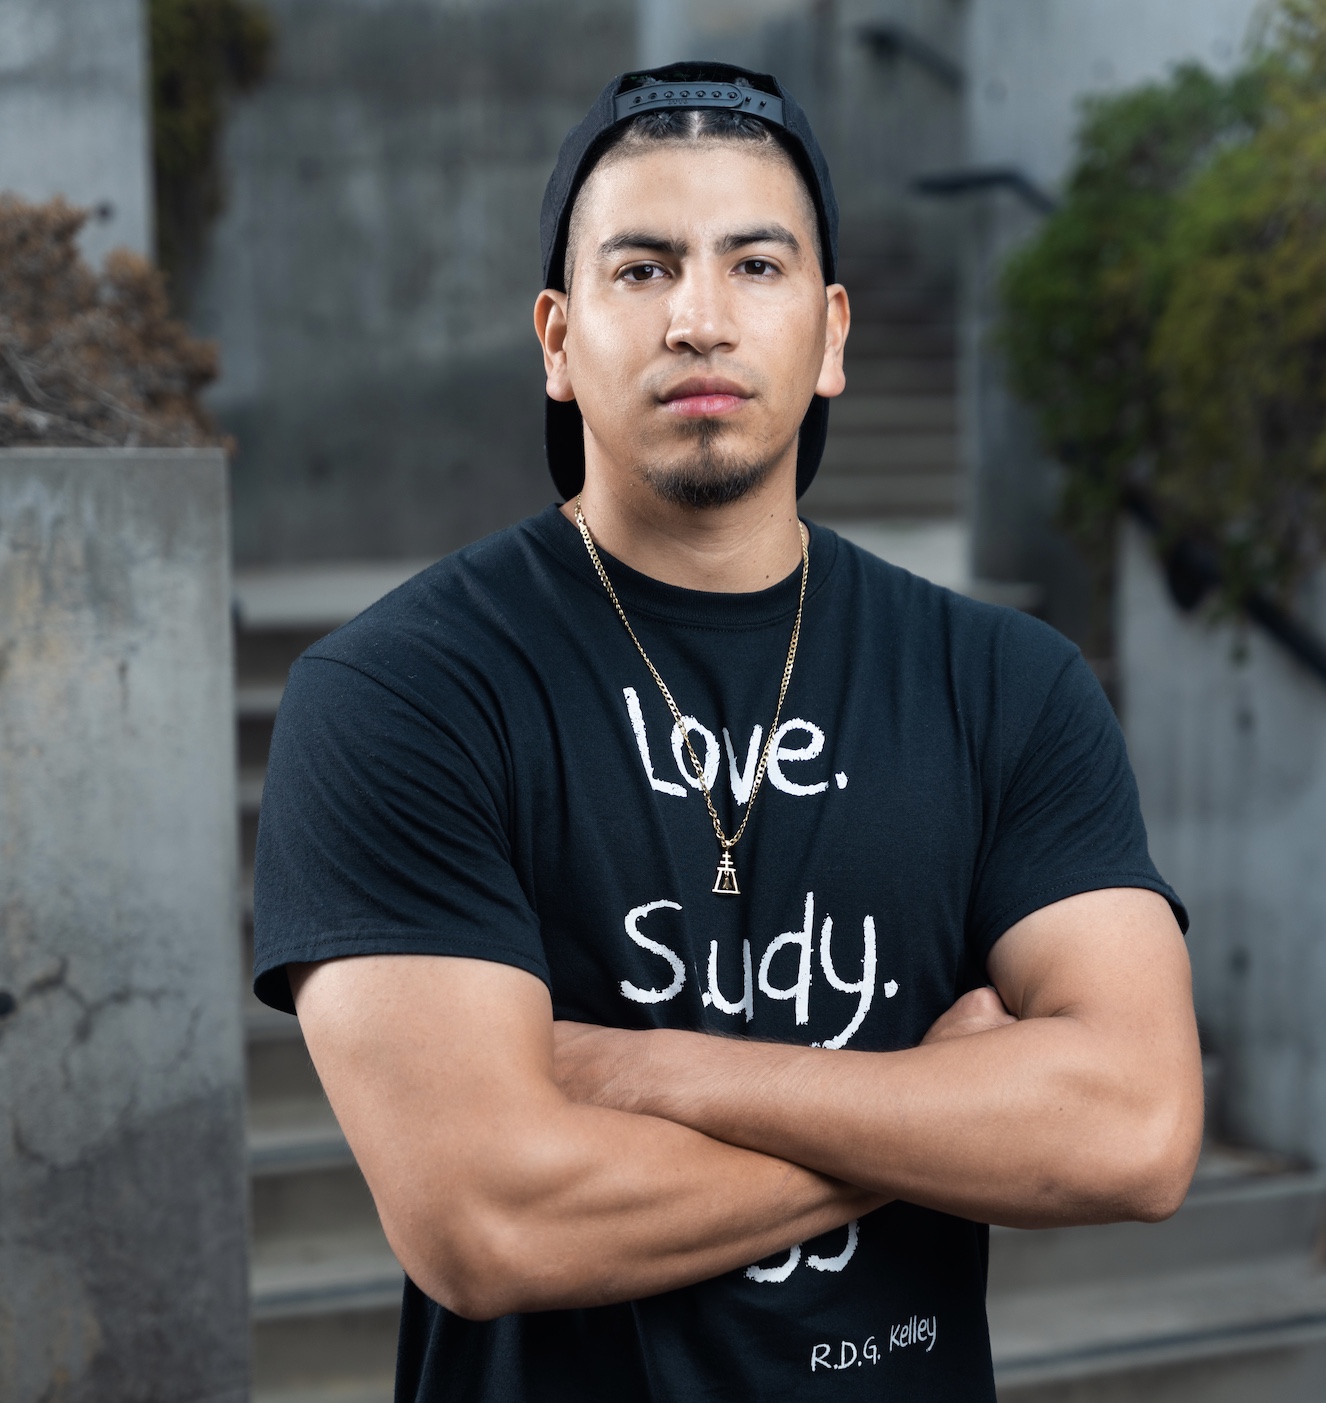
(91, 359)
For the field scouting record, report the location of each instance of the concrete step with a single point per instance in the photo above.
(1224, 1222)
(1060, 1336)
(859, 413)
(894, 303)
(301, 1144)
(249, 790)
(899, 374)
(325, 1285)
(339, 1273)
(264, 653)
(325, 1346)
(309, 600)
(924, 340)
(1286, 1370)
(1232, 1287)
(279, 1069)
(381, 1390)
(293, 1205)
(907, 450)
(897, 494)
(258, 701)
(937, 549)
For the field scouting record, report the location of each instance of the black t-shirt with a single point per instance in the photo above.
(480, 765)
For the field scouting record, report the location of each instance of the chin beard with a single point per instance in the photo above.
(709, 477)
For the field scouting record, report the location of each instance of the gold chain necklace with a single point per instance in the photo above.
(725, 883)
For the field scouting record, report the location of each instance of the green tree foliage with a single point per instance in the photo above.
(202, 51)
(1168, 325)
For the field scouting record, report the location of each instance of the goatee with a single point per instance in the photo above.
(710, 477)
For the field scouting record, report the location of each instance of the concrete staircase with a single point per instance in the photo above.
(326, 1288)
(893, 448)
(893, 479)
(1224, 1303)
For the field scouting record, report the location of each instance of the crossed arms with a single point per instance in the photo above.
(518, 1164)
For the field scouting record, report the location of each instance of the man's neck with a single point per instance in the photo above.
(736, 549)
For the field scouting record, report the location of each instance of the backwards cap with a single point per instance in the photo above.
(677, 86)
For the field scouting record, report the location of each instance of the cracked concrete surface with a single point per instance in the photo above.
(122, 1235)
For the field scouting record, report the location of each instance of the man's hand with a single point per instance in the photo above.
(610, 1066)
(1071, 1092)
(976, 1012)
(596, 1066)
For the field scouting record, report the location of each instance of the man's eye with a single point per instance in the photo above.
(642, 272)
(758, 267)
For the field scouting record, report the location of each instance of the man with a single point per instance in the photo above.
(640, 873)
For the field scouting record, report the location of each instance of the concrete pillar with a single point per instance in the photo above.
(664, 32)
(122, 1194)
(74, 113)
(1227, 734)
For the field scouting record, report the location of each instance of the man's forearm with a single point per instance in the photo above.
(496, 1192)
(593, 1207)
(1014, 1125)
(1078, 1098)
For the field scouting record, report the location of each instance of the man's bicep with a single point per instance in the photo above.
(383, 831)
(432, 1065)
(1102, 984)
(390, 1033)
(1115, 954)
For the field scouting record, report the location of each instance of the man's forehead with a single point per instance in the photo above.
(680, 195)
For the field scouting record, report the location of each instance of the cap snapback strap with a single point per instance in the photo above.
(660, 97)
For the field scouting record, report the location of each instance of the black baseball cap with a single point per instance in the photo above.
(674, 87)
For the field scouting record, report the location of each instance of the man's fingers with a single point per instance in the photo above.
(978, 1011)
(586, 1062)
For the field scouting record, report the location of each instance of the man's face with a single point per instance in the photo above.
(698, 325)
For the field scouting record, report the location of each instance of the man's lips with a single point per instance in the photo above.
(704, 397)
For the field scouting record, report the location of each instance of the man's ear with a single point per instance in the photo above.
(550, 328)
(838, 322)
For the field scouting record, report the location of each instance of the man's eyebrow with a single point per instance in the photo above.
(765, 234)
(634, 239)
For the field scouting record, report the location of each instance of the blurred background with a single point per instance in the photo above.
(1085, 242)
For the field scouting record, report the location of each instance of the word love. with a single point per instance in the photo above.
(783, 756)
(791, 953)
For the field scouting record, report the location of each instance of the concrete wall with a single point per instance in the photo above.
(74, 113)
(122, 1227)
(1230, 754)
(1030, 62)
(372, 280)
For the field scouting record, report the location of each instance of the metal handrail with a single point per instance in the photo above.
(978, 179)
(889, 40)
(1192, 571)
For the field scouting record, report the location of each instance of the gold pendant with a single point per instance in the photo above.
(725, 883)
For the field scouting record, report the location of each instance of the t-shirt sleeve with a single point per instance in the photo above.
(1066, 818)
(382, 832)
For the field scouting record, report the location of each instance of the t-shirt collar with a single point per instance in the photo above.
(641, 594)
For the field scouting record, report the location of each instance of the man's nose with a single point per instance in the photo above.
(702, 319)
